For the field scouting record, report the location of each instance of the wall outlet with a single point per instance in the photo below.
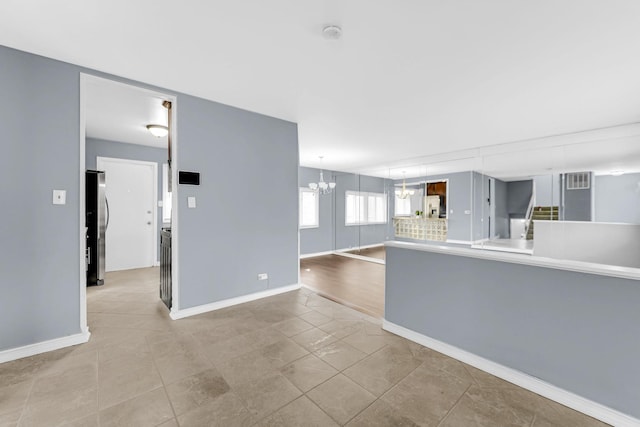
(263, 276)
(59, 197)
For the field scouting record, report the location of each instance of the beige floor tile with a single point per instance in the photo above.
(88, 421)
(300, 412)
(241, 344)
(125, 377)
(248, 367)
(340, 355)
(14, 397)
(196, 390)
(383, 369)
(267, 395)
(341, 398)
(365, 342)
(342, 328)
(488, 407)
(226, 410)
(149, 409)
(66, 395)
(308, 372)
(171, 423)
(435, 360)
(283, 352)
(426, 395)
(315, 318)
(182, 364)
(10, 419)
(314, 339)
(484, 379)
(293, 326)
(273, 315)
(381, 414)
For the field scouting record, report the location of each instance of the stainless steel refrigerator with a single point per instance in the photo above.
(97, 221)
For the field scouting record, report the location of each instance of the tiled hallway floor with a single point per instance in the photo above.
(291, 360)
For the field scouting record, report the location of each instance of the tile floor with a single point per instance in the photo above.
(291, 360)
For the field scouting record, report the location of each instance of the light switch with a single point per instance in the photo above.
(59, 197)
(191, 202)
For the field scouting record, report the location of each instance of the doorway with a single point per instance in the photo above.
(131, 192)
(113, 134)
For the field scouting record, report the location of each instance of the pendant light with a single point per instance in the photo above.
(321, 186)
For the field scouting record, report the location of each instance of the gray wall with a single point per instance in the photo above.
(102, 148)
(481, 207)
(501, 201)
(518, 197)
(459, 188)
(577, 204)
(40, 255)
(353, 236)
(570, 329)
(229, 239)
(617, 198)
(314, 240)
(547, 190)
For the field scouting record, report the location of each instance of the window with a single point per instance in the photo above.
(166, 195)
(309, 208)
(403, 206)
(365, 208)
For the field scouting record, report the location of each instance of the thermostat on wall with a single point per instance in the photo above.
(189, 178)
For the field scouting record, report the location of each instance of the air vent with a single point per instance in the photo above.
(578, 181)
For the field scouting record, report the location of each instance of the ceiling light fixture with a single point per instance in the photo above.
(617, 173)
(321, 186)
(332, 32)
(158, 130)
(404, 193)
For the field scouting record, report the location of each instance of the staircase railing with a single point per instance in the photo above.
(529, 214)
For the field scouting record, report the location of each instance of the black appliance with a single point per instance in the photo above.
(96, 223)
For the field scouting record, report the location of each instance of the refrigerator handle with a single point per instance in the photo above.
(107, 203)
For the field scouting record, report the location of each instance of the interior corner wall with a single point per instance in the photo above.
(480, 210)
(518, 197)
(222, 244)
(577, 203)
(246, 220)
(40, 254)
(320, 239)
(120, 150)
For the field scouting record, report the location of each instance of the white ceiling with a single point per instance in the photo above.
(408, 79)
(119, 112)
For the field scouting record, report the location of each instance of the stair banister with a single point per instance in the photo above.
(529, 215)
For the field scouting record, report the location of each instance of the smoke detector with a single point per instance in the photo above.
(332, 32)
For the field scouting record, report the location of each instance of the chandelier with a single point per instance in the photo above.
(321, 186)
(404, 193)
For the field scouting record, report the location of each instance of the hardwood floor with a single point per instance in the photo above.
(377, 252)
(348, 281)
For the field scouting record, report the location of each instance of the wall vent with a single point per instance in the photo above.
(578, 181)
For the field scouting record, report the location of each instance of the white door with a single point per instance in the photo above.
(131, 231)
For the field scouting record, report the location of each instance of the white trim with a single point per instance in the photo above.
(315, 254)
(43, 347)
(360, 257)
(459, 242)
(375, 245)
(537, 261)
(101, 160)
(543, 388)
(205, 308)
(84, 326)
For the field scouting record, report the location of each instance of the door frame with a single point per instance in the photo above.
(175, 292)
(154, 166)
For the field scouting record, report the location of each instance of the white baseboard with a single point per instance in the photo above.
(460, 242)
(192, 311)
(315, 254)
(536, 385)
(43, 347)
(361, 257)
(375, 245)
